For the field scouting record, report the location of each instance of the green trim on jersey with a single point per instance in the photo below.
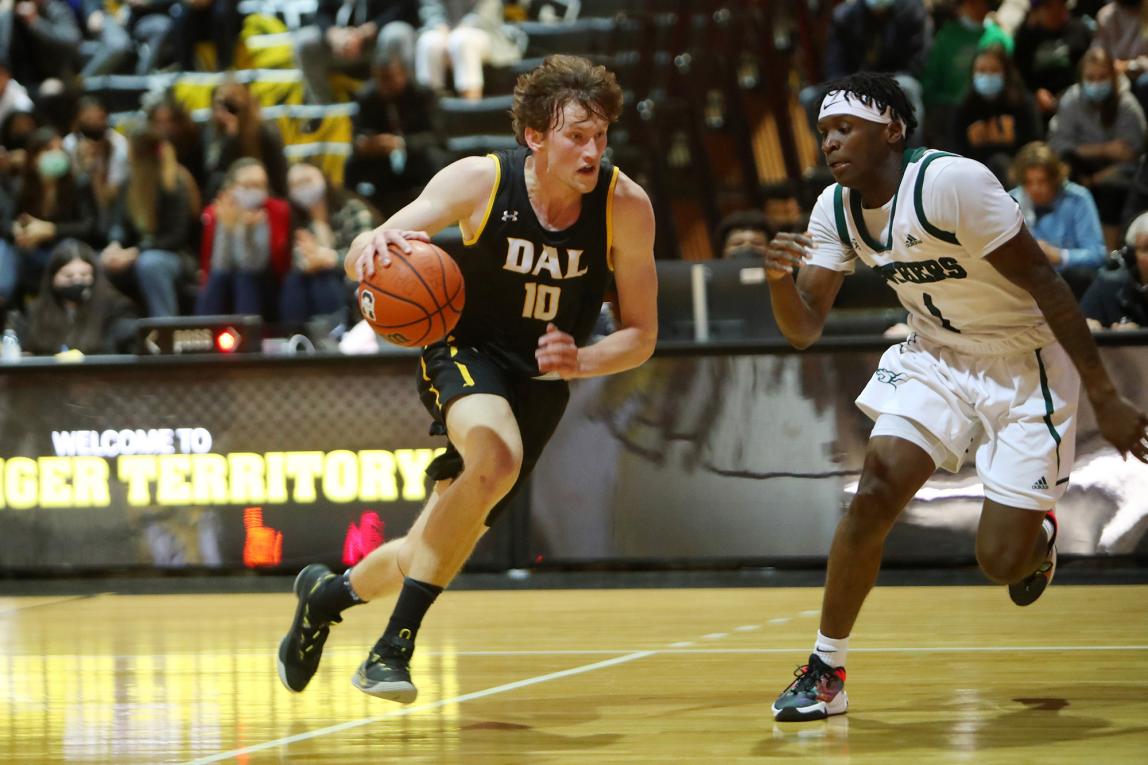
(863, 230)
(1048, 408)
(839, 215)
(918, 203)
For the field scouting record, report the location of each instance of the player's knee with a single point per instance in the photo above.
(492, 467)
(875, 506)
(1001, 562)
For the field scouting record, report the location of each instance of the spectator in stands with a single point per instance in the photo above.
(99, 155)
(327, 220)
(744, 235)
(349, 35)
(1060, 214)
(246, 245)
(198, 20)
(1118, 299)
(398, 144)
(106, 46)
(1049, 46)
(13, 96)
(946, 77)
(39, 39)
(15, 130)
(236, 130)
(464, 34)
(1099, 129)
(1122, 30)
(880, 36)
(1137, 200)
(151, 232)
(168, 118)
(997, 115)
(78, 309)
(51, 205)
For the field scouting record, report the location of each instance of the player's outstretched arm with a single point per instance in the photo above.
(1021, 261)
(637, 282)
(801, 305)
(452, 196)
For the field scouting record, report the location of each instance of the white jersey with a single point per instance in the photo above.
(929, 242)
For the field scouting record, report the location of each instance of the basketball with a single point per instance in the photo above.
(417, 299)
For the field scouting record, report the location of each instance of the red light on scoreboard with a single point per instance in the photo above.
(262, 546)
(361, 539)
(227, 340)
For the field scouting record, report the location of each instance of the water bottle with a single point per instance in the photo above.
(10, 347)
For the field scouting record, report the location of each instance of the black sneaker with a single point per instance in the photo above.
(386, 672)
(302, 646)
(1027, 590)
(817, 693)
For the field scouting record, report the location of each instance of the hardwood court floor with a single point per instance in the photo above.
(937, 675)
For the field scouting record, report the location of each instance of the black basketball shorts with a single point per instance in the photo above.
(448, 372)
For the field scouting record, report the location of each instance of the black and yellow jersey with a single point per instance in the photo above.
(521, 276)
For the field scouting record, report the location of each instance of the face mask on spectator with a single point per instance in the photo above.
(879, 5)
(250, 199)
(988, 85)
(1096, 91)
(308, 195)
(970, 23)
(73, 293)
(53, 163)
(93, 133)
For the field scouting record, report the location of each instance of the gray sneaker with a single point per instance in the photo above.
(386, 672)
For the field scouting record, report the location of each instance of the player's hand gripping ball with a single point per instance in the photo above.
(417, 299)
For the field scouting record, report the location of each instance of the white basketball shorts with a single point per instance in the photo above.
(1015, 413)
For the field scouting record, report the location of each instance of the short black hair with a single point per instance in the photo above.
(743, 220)
(880, 90)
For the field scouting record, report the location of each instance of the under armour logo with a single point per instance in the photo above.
(510, 215)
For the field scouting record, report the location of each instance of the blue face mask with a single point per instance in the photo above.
(879, 5)
(988, 85)
(1096, 91)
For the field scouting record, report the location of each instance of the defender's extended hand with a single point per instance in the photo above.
(786, 252)
(1124, 426)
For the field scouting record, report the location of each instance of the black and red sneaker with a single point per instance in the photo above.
(817, 693)
(1027, 590)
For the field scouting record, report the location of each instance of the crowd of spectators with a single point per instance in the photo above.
(178, 213)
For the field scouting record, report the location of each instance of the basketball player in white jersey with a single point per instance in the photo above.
(991, 371)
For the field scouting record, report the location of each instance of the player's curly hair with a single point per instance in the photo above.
(542, 93)
(880, 90)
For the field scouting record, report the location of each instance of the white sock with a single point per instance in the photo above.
(1048, 529)
(832, 651)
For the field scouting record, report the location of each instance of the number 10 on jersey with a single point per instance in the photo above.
(541, 301)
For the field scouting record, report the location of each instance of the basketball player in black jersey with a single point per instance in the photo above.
(545, 226)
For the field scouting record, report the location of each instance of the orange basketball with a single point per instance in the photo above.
(417, 299)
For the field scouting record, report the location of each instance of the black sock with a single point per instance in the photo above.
(414, 601)
(333, 597)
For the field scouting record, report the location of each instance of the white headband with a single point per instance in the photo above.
(839, 102)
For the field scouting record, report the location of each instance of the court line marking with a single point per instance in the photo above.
(682, 647)
(406, 711)
(56, 601)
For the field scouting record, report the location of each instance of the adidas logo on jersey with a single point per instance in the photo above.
(1040, 483)
(911, 241)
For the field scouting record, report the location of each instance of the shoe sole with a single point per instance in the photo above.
(296, 587)
(1024, 596)
(403, 693)
(818, 711)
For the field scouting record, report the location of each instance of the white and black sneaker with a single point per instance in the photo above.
(1027, 590)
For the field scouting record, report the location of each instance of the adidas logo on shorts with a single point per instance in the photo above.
(911, 241)
(1040, 483)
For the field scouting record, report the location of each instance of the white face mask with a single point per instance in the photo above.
(309, 194)
(249, 199)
